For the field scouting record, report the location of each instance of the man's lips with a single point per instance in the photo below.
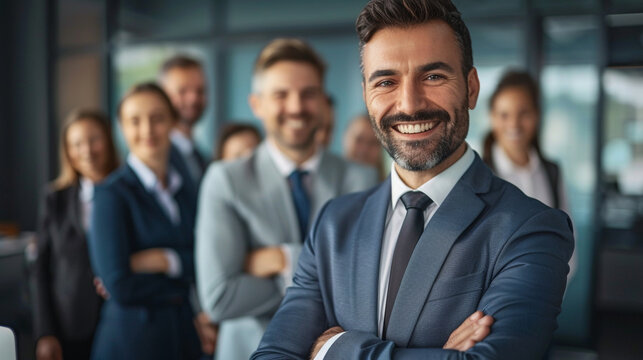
(416, 127)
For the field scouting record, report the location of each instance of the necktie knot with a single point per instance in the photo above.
(416, 200)
(296, 176)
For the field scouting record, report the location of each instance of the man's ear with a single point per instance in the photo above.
(254, 101)
(473, 85)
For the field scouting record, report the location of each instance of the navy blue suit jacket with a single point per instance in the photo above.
(488, 247)
(148, 316)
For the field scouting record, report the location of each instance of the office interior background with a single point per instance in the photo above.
(587, 55)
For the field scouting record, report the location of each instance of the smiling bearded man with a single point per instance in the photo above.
(443, 260)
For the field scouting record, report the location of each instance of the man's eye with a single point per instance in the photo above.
(384, 83)
(434, 77)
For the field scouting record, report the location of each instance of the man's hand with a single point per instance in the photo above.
(207, 332)
(101, 290)
(48, 348)
(150, 261)
(474, 329)
(321, 340)
(265, 262)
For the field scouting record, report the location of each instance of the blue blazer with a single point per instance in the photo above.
(488, 247)
(148, 316)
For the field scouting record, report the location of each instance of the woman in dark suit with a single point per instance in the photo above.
(65, 302)
(141, 240)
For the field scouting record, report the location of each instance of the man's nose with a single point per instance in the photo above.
(294, 104)
(411, 97)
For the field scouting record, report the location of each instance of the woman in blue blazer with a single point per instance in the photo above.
(66, 306)
(141, 240)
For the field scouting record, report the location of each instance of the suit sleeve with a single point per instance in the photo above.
(110, 240)
(524, 298)
(225, 290)
(44, 323)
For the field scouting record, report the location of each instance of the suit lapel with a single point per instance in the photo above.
(461, 207)
(366, 262)
(151, 202)
(73, 209)
(279, 201)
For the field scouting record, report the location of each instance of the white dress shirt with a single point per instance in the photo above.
(530, 179)
(285, 166)
(165, 198)
(86, 196)
(186, 148)
(437, 189)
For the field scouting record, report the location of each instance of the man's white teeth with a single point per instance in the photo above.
(415, 128)
(296, 124)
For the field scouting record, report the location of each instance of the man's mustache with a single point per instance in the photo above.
(421, 115)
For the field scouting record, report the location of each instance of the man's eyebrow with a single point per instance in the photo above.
(379, 73)
(439, 65)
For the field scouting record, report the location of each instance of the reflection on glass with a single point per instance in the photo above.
(135, 64)
(568, 131)
(623, 128)
(262, 14)
(166, 18)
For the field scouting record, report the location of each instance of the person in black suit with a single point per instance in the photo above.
(65, 302)
(141, 241)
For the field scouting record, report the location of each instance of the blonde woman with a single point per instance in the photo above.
(65, 302)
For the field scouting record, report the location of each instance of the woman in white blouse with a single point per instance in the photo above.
(512, 149)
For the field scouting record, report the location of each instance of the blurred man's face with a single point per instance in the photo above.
(289, 102)
(361, 144)
(416, 94)
(187, 91)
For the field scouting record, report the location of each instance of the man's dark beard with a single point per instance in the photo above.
(408, 154)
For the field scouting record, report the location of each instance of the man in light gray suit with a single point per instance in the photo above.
(253, 213)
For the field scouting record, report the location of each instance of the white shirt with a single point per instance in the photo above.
(286, 166)
(86, 196)
(165, 198)
(186, 148)
(438, 188)
(530, 179)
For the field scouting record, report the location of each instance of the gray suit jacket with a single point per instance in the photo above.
(245, 205)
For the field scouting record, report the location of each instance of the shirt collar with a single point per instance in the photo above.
(148, 178)
(86, 193)
(438, 187)
(285, 166)
(505, 166)
(182, 142)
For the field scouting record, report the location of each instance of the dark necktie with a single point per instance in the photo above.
(301, 199)
(412, 227)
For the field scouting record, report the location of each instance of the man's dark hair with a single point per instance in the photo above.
(179, 61)
(380, 14)
(518, 79)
